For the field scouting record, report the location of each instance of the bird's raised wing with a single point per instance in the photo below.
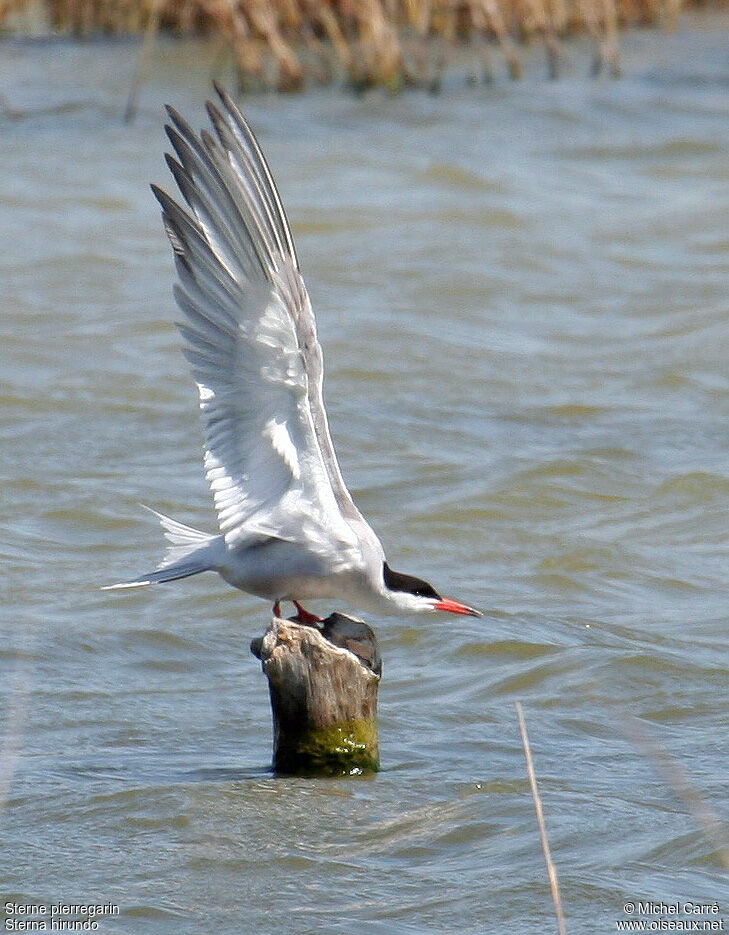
(250, 337)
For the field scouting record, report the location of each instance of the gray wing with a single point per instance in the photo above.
(250, 337)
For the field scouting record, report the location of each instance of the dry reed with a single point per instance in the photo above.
(673, 774)
(390, 43)
(536, 798)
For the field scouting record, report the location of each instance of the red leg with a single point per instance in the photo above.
(277, 609)
(303, 616)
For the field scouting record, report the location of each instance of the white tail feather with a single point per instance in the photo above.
(190, 551)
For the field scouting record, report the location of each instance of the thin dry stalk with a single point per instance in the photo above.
(555, 16)
(666, 765)
(495, 19)
(16, 713)
(417, 18)
(540, 20)
(264, 20)
(670, 769)
(551, 869)
(381, 53)
(480, 26)
(333, 31)
(322, 71)
(591, 20)
(611, 54)
(438, 23)
(248, 63)
(145, 54)
(16, 706)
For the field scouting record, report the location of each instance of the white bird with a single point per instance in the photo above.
(289, 529)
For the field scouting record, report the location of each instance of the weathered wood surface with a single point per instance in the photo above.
(323, 684)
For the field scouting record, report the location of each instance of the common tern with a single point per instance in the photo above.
(289, 529)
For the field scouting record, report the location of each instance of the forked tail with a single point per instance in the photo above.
(189, 552)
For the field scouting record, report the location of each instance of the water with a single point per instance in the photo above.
(522, 297)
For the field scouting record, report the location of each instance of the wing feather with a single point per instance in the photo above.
(250, 338)
(246, 152)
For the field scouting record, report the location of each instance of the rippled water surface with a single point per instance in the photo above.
(523, 297)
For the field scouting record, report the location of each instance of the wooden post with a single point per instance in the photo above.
(323, 683)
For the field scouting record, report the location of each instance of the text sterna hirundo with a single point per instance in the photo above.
(289, 529)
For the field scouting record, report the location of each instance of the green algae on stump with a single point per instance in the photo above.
(323, 686)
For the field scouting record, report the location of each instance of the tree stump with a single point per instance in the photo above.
(323, 683)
